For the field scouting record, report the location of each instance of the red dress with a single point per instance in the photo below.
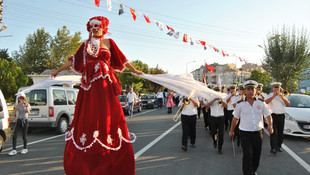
(98, 140)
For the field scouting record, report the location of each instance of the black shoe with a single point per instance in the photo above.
(215, 143)
(273, 151)
(220, 151)
(255, 173)
(280, 150)
(193, 146)
(184, 148)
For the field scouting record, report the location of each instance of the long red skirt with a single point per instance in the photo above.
(96, 141)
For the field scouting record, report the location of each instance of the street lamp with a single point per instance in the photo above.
(189, 63)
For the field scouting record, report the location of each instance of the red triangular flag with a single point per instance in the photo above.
(169, 28)
(147, 19)
(185, 38)
(204, 79)
(97, 2)
(203, 43)
(133, 14)
(223, 53)
(209, 68)
(214, 49)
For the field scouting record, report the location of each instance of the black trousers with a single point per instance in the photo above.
(19, 124)
(188, 128)
(217, 127)
(251, 143)
(206, 116)
(276, 139)
(160, 102)
(229, 114)
(199, 111)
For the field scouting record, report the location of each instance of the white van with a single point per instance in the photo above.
(5, 131)
(51, 106)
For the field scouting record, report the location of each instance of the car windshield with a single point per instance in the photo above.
(122, 98)
(299, 101)
(148, 96)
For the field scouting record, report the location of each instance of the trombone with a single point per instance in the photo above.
(186, 101)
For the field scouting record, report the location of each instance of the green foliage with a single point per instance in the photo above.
(5, 55)
(287, 56)
(11, 78)
(260, 77)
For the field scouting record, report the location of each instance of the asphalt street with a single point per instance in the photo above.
(158, 151)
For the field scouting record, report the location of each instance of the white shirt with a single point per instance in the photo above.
(216, 110)
(160, 95)
(131, 97)
(231, 102)
(189, 109)
(235, 99)
(251, 117)
(276, 105)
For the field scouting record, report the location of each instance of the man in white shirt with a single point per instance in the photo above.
(217, 120)
(230, 108)
(160, 97)
(131, 99)
(277, 103)
(250, 112)
(259, 91)
(188, 119)
(234, 100)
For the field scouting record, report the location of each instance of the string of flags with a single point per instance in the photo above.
(171, 31)
(229, 73)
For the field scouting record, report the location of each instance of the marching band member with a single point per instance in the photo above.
(259, 91)
(217, 120)
(237, 98)
(188, 119)
(230, 107)
(250, 112)
(206, 114)
(277, 103)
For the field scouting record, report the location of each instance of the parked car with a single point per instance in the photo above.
(5, 131)
(51, 106)
(297, 116)
(149, 101)
(136, 107)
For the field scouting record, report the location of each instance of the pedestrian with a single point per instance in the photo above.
(188, 120)
(277, 103)
(98, 140)
(217, 120)
(131, 100)
(302, 91)
(160, 97)
(22, 109)
(170, 102)
(249, 112)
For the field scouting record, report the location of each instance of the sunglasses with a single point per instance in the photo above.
(95, 25)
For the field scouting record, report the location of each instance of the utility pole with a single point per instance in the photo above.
(5, 26)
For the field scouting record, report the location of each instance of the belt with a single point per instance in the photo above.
(253, 132)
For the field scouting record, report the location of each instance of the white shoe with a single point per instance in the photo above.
(24, 151)
(13, 152)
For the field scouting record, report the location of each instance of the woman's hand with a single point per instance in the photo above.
(54, 74)
(139, 72)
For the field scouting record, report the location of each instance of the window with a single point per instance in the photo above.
(59, 97)
(36, 97)
(71, 97)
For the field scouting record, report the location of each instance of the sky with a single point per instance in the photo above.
(236, 27)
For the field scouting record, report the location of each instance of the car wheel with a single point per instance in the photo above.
(1, 143)
(62, 125)
(140, 108)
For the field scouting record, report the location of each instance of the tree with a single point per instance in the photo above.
(287, 56)
(261, 77)
(34, 56)
(63, 46)
(11, 78)
(5, 55)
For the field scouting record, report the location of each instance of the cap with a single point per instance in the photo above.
(276, 84)
(216, 88)
(302, 91)
(210, 86)
(240, 86)
(260, 85)
(233, 86)
(250, 84)
(21, 94)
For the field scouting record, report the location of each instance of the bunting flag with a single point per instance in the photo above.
(172, 31)
(185, 38)
(204, 79)
(97, 2)
(209, 68)
(133, 14)
(121, 9)
(147, 19)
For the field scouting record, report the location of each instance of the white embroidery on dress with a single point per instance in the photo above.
(85, 78)
(106, 67)
(109, 140)
(83, 139)
(97, 67)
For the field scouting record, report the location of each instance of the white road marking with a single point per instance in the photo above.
(38, 141)
(139, 153)
(141, 113)
(294, 155)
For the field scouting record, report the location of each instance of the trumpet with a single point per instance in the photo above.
(220, 102)
(258, 94)
(243, 95)
(285, 93)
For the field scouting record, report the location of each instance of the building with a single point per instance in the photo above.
(227, 73)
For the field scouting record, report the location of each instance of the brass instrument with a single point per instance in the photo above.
(186, 101)
(243, 95)
(258, 94)
(220, 102)
(285, 93)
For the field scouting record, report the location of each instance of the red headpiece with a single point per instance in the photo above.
(102, 21)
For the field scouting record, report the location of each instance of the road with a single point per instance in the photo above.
(158, 151)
